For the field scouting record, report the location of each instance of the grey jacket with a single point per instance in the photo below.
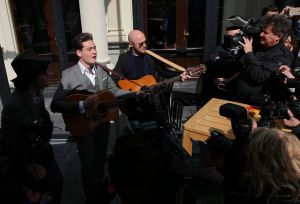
(73, 80)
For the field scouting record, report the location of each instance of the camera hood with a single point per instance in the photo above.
(233, 111)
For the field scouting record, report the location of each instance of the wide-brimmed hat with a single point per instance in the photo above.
(29, 62)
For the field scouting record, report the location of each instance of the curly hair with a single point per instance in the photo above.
(273, 162)
(280, 24)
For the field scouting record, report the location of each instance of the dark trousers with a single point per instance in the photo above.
(92, 153)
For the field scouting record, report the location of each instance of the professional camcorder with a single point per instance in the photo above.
(250, 28)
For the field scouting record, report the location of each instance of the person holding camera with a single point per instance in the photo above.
(292, 122)
(222, 67)
(29, 172)
(272, 169)
(260, 68)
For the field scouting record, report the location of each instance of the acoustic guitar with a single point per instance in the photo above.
(105, 109)
(149, 82)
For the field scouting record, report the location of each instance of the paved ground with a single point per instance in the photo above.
(66, 150)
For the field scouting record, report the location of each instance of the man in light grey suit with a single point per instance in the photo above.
(87, 76)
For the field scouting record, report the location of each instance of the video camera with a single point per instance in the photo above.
(249, 28)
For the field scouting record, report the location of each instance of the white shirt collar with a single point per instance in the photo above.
(83, 68)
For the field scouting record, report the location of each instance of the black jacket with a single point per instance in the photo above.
(260, 71)
(26, 125)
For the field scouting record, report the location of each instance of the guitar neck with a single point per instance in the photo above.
(168, 81)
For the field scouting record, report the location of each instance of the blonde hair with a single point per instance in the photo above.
(273, 162)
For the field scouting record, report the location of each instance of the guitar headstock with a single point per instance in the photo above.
(200, 69)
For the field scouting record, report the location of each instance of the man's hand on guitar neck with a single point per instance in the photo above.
(185, 76)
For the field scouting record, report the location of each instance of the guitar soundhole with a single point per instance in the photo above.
(100, 113)
(102, 108)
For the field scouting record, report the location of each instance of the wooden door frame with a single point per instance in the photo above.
(181, 23)
(15, 24)
(53, 49)
(140, 9)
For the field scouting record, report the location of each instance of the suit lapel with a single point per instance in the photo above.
(99, 79)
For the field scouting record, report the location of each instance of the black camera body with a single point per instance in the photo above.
(250, 28)
(241, 126)
(294, 83)
(240, 122)
(296, 72)
(218, 142)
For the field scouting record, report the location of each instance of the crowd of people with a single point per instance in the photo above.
(264, 168)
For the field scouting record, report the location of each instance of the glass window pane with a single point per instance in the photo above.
(161, 23)
(72, 22)
(30, 15)
(196, 23)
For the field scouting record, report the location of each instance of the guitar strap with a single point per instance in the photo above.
(115, 73)
(110, 71)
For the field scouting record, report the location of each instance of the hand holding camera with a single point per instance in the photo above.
(247, 44)
(286, 71)
(292, 121)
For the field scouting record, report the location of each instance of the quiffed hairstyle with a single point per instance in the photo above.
(79, 39)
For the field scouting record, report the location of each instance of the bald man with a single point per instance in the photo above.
(135, 63)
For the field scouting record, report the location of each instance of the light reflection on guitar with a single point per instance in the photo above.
(149, 81)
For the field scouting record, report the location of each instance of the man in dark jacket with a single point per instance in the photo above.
(259, 72)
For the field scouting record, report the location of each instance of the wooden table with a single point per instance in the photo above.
(204, 121)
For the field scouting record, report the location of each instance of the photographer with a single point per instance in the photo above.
(226, 154)
(271, 173)
(252, 169)
(222, 67)
(260, 68)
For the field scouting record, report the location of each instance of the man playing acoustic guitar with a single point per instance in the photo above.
(87, 76)
(138, 70)
(136, 63)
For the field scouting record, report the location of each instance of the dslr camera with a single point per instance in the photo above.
(241, 126)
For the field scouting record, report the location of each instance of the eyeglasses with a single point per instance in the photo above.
(142, 43)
